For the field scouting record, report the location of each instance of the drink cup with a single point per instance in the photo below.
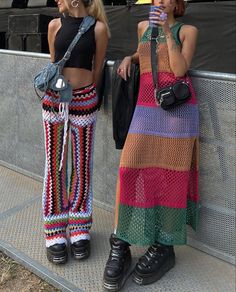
(153, 8)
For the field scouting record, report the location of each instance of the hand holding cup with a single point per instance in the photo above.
(157, 16)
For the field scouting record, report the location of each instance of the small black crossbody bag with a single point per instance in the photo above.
(171, 96)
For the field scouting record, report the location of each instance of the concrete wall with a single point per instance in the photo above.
(22, 145)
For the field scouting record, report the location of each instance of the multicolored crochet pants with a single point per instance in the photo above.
(68, 207)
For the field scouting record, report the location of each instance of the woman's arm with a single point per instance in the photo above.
(101, 37)
(180, 58)
(125, 65)
(53, 27)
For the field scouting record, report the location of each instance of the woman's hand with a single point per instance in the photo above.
(124, 68)
(159, 18)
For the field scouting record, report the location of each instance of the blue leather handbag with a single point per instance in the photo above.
(50, 77)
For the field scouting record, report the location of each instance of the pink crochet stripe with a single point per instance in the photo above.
(75, 233)
(146, 89)
(151, 187)
(63, 235)
(55, 225)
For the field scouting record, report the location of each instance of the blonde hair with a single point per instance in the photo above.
(96, 9)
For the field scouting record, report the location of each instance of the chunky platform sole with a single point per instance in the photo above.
(80, 255)
(142, 279)
(114, 286)
(57, 259)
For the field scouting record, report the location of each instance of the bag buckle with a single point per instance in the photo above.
(155, 93)
(67, 56)
(60, 83)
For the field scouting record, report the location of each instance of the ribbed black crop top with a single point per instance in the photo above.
(84, 50)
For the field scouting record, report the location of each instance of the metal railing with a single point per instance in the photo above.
(22, 134)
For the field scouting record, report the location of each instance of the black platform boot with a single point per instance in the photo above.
(80, 249)
(118, 264)
(57, 253)
(158, 260)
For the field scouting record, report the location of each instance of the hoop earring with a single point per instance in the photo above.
(75, 3)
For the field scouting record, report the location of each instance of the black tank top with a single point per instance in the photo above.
(83, 52)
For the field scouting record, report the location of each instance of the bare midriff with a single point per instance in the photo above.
(78, 77)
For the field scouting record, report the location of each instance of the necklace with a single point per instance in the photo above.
(161, 35)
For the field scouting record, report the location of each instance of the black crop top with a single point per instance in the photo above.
(83, 52)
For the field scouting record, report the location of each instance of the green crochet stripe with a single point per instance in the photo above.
(146, 37)
(53, 221)
(145, 226)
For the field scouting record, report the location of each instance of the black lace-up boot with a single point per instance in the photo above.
(118, 264)
(80, 249)
(158, 260)
(57, 253)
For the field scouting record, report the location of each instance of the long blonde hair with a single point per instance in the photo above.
(96, 9)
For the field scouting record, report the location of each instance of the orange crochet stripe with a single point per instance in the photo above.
(142, 151)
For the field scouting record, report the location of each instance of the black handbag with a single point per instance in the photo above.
(174, 95)
(171, 96)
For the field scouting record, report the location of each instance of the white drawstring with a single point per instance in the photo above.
(64, 111)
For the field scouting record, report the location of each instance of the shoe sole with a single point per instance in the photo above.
(113, 287)
(57, 259)
(141, 279)
(80, 256)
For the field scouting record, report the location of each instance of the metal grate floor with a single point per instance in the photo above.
(21, 237)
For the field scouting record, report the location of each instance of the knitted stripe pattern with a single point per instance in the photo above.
(157, 189)
(69, 207)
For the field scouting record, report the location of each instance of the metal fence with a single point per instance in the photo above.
(21, 145)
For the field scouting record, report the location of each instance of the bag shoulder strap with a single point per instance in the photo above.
(154, 59)
(87, 22)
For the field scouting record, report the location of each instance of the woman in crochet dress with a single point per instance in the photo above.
(157, 188)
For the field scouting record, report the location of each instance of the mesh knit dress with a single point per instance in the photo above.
(157, 187)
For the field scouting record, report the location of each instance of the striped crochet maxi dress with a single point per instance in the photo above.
(157, 188)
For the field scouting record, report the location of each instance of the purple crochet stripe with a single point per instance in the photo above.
(181, 122)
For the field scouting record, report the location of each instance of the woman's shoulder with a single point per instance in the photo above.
(142, 25)
(54, 24)
(188, 32)
(189, 29)
(101, 30)
(100, 26)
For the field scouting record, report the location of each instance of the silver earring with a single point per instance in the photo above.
(75, 3)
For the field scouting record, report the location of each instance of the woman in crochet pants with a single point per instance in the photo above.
(82, 71)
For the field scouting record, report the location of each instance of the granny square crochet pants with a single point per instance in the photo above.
(68, 204)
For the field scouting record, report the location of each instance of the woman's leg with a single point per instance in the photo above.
(55, 201)
(153, 265)
(117, 267)
(83, 114)
(80, 215)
